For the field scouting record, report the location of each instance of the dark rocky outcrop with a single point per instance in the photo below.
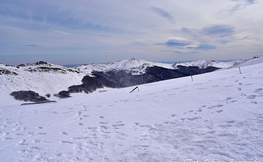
(63, 94)
(42, 63)
(122, 78)
(47, 69)
(7, 72)
(28, 96)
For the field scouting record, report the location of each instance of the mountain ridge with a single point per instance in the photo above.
(47, 78)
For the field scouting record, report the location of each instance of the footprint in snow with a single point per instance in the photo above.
(79, 113)
(251, 97)
(117, 126)
(35, 148)
(103, 122)
(64, 133)
(80, 124)
(219, 111)
(7, 139)
(36, 141)
(217, 106)
(243, 94)
(201, 88)
(258, 90)
(195, 118)
(66, 142)
(248, 84)
(19, 128)
(54, 112)
(22, 142)
(4, 134)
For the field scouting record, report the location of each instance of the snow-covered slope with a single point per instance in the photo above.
(204, 64)
(137, 66)
(253, 61)
(216, 117)
(41, 78)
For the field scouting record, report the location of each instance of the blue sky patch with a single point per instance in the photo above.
(204, 47)
(172, 43)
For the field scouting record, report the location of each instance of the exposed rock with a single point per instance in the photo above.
(42, 63)
(7, 72)
(48, 95)
(63, 94)
(28, 96)
(47, 69)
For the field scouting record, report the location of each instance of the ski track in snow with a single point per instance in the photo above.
(217, 116)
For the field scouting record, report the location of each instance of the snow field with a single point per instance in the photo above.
(217, 116)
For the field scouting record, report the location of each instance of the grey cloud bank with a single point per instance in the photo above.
(85, 31)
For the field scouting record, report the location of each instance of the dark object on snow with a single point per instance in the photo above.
(63, 94)
(48, 95)
(28, 96)
(134, 89)
(37, 103)
(41, 63)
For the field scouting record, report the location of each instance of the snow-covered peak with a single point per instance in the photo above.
(204, 64)
(133, 64)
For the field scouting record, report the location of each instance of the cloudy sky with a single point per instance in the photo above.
(89, 31)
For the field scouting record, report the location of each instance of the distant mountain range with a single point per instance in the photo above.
(52, 81)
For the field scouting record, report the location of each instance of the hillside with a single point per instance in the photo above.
(48, 79)
(217, 116)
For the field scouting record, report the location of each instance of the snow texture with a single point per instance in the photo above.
(216, 117)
